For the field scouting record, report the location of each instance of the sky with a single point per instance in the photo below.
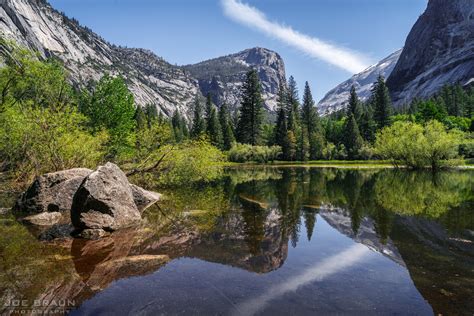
(323, 42)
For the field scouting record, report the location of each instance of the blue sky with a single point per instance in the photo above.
(359, 32)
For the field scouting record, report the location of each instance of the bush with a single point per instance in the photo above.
(417, 146)
(248, 153)
(34, 141)
(190, 161)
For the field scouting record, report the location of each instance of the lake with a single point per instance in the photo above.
(263, 241)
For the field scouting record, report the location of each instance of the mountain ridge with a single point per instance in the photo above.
(36, 25)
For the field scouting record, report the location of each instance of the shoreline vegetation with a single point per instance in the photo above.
(47, 125)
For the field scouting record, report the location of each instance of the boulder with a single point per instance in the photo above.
(104, 200)
(143, 198)
(52, 192)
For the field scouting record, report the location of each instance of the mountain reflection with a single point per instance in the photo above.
(419, 220)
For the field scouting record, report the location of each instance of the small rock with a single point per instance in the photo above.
(4, 211)
(44, 219)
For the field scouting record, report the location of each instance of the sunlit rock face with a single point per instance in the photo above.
(223, 77)
(337, 98)
(439, 50)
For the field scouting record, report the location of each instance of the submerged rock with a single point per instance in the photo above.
(52, 192)
(44, 219)
(143, 198)
(105, 201)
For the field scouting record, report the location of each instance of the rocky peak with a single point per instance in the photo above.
(336, 99)
(439, 50)
(223, 76)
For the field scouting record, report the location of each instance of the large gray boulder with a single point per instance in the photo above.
(52, 192)
(104, 201)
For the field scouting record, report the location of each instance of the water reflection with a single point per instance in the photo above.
(396, 222)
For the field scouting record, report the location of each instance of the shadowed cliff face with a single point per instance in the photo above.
(439, 50)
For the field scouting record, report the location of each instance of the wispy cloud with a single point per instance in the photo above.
(245, 14)
(318, 272)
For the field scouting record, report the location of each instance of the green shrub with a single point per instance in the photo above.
(416, 146)
(248, 153)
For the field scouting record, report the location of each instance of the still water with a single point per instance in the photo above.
(266, 240)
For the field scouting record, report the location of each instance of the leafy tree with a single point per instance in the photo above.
(110, 106)
(251, 116)
(353, 141)
(198, 125)
(303, 146)
(382, 103)
(289, 150)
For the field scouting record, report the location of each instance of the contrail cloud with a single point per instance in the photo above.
(249, 16)
(318, 272)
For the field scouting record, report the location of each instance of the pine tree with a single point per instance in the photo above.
(199, 126)
(250, 119)
(227, 132)
(279, 132)
(367, 125)
(213, 128)
(309, 116)
(177, 127)
(381, 103)
(352, 139)
(140, 118)
(354, 105)
(293, 105)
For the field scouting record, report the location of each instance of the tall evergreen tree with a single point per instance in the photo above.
(354, 105)
(140, 118)
(209, 107)
(213, 128)
(293, 104)
(279, 132)
(227, 131)
(309, 116)
(381, 103)
(251, 116)
(352, 139)
(199, 125)
(151, 114)
(367, 125)
(176, 123)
